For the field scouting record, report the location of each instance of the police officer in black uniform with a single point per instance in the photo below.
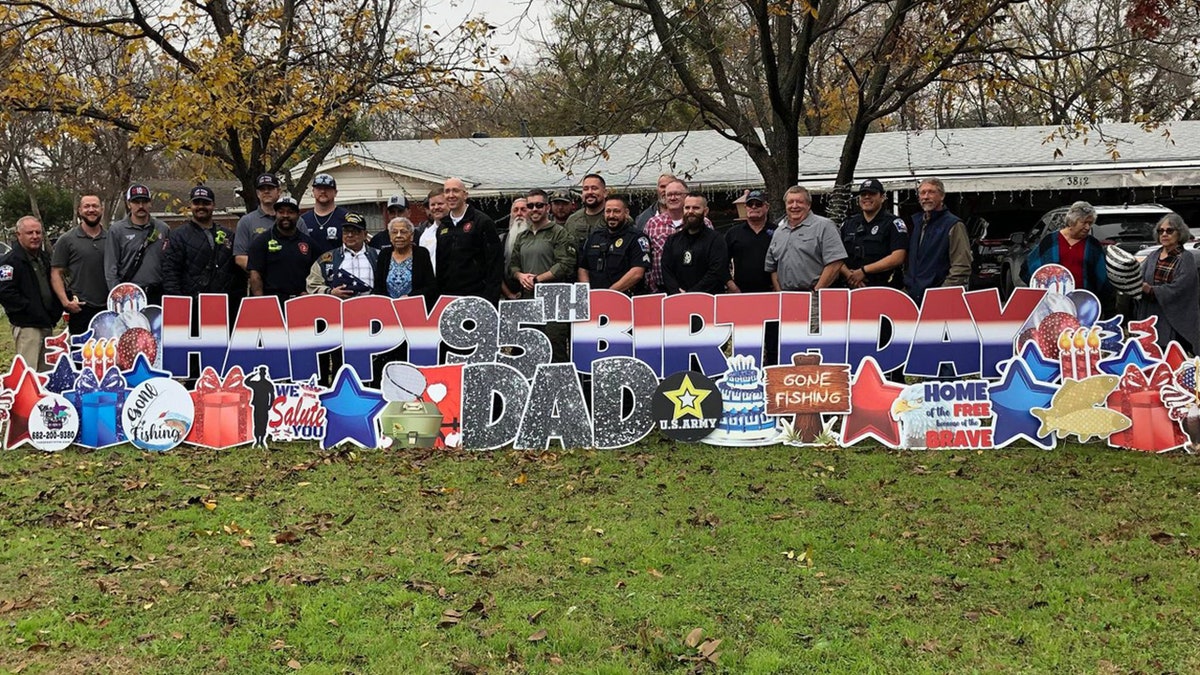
(876, 241)
(618, 256)
(280, 258)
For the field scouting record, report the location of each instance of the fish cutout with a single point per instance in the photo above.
(1073, 410)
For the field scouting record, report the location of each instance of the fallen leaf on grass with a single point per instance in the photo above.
(209, 504)
(245, 543)
(538, 636)
(449, 618)
(287, 537)
(464, 668)
(10, 605)
(521, 479)
(693, 638)
(534, 617)
(654, 573)
(1162, 538)
(294, 664)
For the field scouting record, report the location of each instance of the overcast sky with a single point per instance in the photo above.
(519, 22)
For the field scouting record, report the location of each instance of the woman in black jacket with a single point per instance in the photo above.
(408, 271)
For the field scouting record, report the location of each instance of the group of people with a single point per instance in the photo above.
(1169, 288)
(671, 247)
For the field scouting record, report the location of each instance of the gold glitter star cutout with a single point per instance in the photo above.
(687, 399)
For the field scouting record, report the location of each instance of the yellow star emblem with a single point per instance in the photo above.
(687, 399)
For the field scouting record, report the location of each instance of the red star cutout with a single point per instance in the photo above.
(25, 397)
(57, 347)
(1145, 333)
(1175, 356)
(871, 399)
(12, 378)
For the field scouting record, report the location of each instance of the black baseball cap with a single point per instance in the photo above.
(266, 180)
(355, 221)
(287, 200)
(136, 192)
(756, 196)
(871, 185)
(203, 193)
(324, 180)
(561, 196)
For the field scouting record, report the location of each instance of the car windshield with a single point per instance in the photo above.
(1125, 227)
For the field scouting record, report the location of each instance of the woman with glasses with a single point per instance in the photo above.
(408, 271)
(1170, 286)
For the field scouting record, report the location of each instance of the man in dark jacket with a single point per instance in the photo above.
(939, 250)
(694, 258)
(197, 256)
(470, 258)
(32, 308)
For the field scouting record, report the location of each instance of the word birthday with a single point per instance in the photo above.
(981, 372)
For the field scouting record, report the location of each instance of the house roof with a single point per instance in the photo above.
(978, 159)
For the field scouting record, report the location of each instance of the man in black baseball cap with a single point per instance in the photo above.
(280, 258)
(348, 270)
(747, 244)
(197, 256)
(876, 244)
(261, 219)
(324, 222)
(133, 246)
(876, 241)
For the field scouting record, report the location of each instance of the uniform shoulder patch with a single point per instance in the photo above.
(327, 257)
(6, 272)
(644, 243)
(901, 226)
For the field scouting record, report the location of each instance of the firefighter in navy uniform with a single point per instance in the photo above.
(876, 242)
(618, 256)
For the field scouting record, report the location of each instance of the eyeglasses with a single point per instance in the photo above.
(536, 205)
(1166, 230)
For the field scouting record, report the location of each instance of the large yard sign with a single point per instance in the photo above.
(1039, 368)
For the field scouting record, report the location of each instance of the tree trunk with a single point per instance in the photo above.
(29, 189)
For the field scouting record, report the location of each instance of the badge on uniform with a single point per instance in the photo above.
(467, 227)
(875, 230)
(6, 272)
(618, 242)
(901, 226)
(303, 248)
(687, 257)
(644, 242)
(331, 233)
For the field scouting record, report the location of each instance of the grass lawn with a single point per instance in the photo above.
(795, 560)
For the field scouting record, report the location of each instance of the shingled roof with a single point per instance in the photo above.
(993, 158)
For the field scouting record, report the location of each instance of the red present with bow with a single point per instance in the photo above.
(222, 410)
(1138, 397)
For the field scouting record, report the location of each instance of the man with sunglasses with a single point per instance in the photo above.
(197, 256)
(545, 252)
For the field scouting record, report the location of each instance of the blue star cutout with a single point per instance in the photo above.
(1012, 397)
(350, 411)
(63, 377)
(1132, 354)
(1040, 367)
(142, 371)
